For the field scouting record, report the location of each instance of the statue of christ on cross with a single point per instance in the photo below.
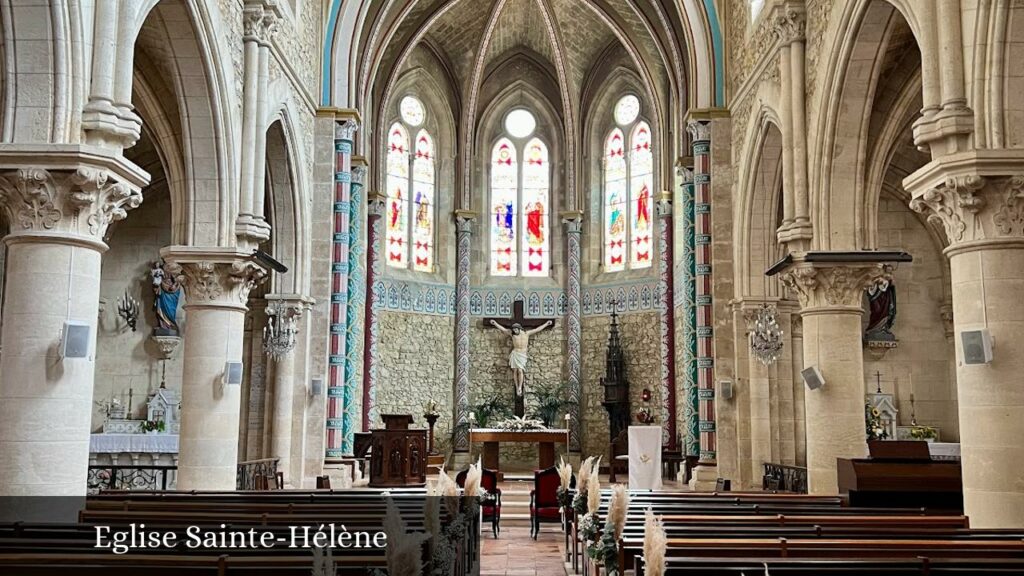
(519, 328)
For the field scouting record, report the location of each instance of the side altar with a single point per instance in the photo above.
(544, 439)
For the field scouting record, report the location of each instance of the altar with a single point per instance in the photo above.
(544, 439)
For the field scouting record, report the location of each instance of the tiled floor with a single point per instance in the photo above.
(514, 553)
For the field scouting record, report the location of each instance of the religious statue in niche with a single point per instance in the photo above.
(878, 336)
(167, 293)
(519, 329)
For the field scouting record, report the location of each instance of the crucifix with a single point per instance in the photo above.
(519, 328)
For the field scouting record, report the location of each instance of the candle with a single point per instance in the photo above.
(472, 416)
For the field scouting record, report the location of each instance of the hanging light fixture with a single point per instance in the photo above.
(279, 336)
(766, 337)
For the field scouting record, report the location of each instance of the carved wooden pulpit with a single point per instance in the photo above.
(399, 454)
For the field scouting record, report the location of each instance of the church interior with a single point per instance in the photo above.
(529, 287)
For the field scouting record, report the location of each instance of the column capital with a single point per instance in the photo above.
(789, 22)
(259, 20)
(834, 282)
(66, 193)
(700, 130)
(572, 220)
(214, 277)
(464, 220)
(685, 174)
(977, 198)
(376, 202)
(346, 128)
(293, 304)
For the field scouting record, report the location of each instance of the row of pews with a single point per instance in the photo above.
(719, 534)
(284, 518)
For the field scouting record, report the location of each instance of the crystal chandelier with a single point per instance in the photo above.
(279, 336)
(766, 337)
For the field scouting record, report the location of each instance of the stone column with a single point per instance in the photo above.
(759, 385)
(217, 282)
(691, 408)
(463, 253)
(831, 296)
(356, 299)
(340, 397)
(284, 432)
(375, 225)
(979, 200)
(58, 201)
(667, 319)
(259, 19)
(573, 228)
(788, 25)
(700, 132)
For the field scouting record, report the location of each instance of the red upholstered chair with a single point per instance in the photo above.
(491, 506)
(544, 499)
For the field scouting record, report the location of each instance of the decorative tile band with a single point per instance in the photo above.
(440, 299)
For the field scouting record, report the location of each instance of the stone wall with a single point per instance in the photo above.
(641, 343)
(125, 359)
(417, 364)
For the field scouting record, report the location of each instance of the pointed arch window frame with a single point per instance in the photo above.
(627, 241)
(411, 172)
(515, 249)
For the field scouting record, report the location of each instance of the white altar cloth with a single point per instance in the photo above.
(645, 458)
(133, 443)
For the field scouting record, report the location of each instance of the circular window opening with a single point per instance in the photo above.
(411, 110)
(520, 123)
(627, 110)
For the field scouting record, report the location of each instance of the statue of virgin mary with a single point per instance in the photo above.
(165, 304)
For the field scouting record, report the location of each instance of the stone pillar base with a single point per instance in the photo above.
(705, 478)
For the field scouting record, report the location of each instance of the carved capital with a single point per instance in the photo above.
(214, 277)
(789, 23)
(464, 221)
(346, 129)
(260, 19)
(834, 285)
(974, 209)
(358, 175)
(685, 175)
(80, 201)
(700, 130)
(375, 204)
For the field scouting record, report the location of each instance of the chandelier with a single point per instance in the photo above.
(766, 337)
(279, 336)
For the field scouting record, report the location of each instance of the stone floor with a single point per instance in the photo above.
(514, 553)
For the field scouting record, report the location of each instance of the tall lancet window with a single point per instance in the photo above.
(628, 186)
(410, 191)
(520, 200)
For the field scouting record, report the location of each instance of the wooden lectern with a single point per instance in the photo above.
(399, 455)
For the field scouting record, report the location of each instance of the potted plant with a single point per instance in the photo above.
(551, 403)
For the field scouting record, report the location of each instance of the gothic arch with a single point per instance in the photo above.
(285, 207)
(181, 90)
(756, 247)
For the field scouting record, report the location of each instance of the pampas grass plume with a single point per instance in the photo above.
(618, 508)
(655, 543)
(565, 474)
(593, 494)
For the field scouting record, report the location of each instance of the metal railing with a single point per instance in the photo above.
(141, 478)
(259, 475)
(782, 478)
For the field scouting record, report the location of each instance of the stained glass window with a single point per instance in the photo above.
(412, 111)
(641, 183)
(615, 202)
(628, 190)
(627, 110)
(397, 209)
(535, 242)
(504, 207)
(423, 203)
(410, 176)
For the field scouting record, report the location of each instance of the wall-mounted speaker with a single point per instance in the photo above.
(232, 373)
(812, 377)
(74, 340)
(977, 346)
(725, 389)
(316, 387)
